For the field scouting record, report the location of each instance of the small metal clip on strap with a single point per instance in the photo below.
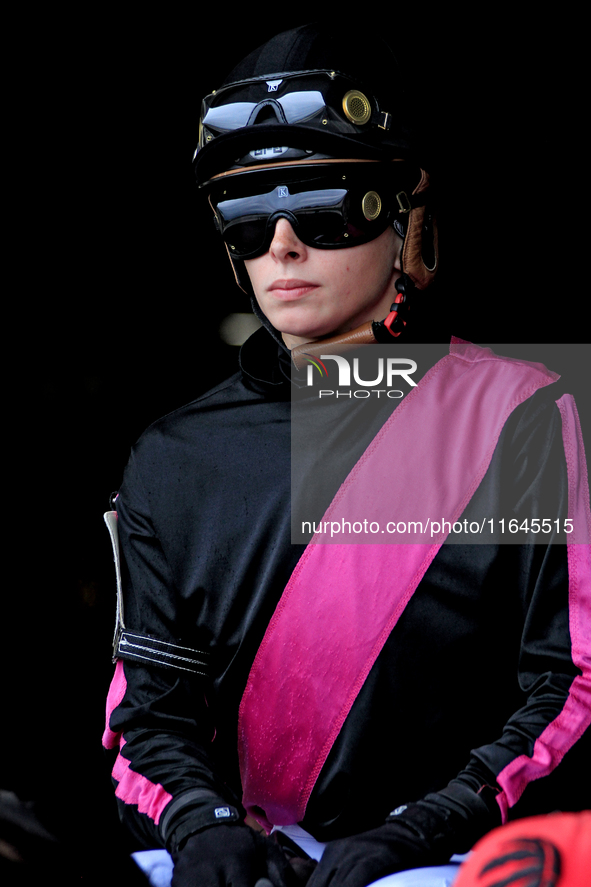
(403, 202)
(386, 119)
(135, 647)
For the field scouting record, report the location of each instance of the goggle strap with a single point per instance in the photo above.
(279, 76)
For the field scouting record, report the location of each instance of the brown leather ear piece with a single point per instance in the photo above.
(412, 253)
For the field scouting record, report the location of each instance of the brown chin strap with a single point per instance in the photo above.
(371, 333)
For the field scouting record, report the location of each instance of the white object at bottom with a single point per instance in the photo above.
(430, 876)
(157, 865)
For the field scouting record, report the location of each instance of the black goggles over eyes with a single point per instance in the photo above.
(321, 98)
(327, 209)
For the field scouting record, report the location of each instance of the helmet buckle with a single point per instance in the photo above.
(403, 202)
(386, 119)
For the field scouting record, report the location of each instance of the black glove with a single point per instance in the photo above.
(415, 835)
(235, 855)
(364, 858)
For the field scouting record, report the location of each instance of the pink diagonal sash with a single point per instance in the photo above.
(343, 600)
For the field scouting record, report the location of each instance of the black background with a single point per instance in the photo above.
(117, 286)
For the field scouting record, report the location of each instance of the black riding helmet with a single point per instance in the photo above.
(308, 99)
(362, 116)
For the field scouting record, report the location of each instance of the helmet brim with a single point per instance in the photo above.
(228, 150)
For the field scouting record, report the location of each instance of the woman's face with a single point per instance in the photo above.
(309, 293)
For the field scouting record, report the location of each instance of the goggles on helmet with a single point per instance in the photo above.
(322, 99)
(328, 208)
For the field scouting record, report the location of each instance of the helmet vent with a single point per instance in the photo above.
(356, 107)
(371, 205)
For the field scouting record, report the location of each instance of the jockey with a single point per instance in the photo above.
(292, 710)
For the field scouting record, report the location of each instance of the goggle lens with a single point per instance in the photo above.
(325, 214)
(296, 106)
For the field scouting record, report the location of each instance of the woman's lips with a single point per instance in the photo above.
(291, 289)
